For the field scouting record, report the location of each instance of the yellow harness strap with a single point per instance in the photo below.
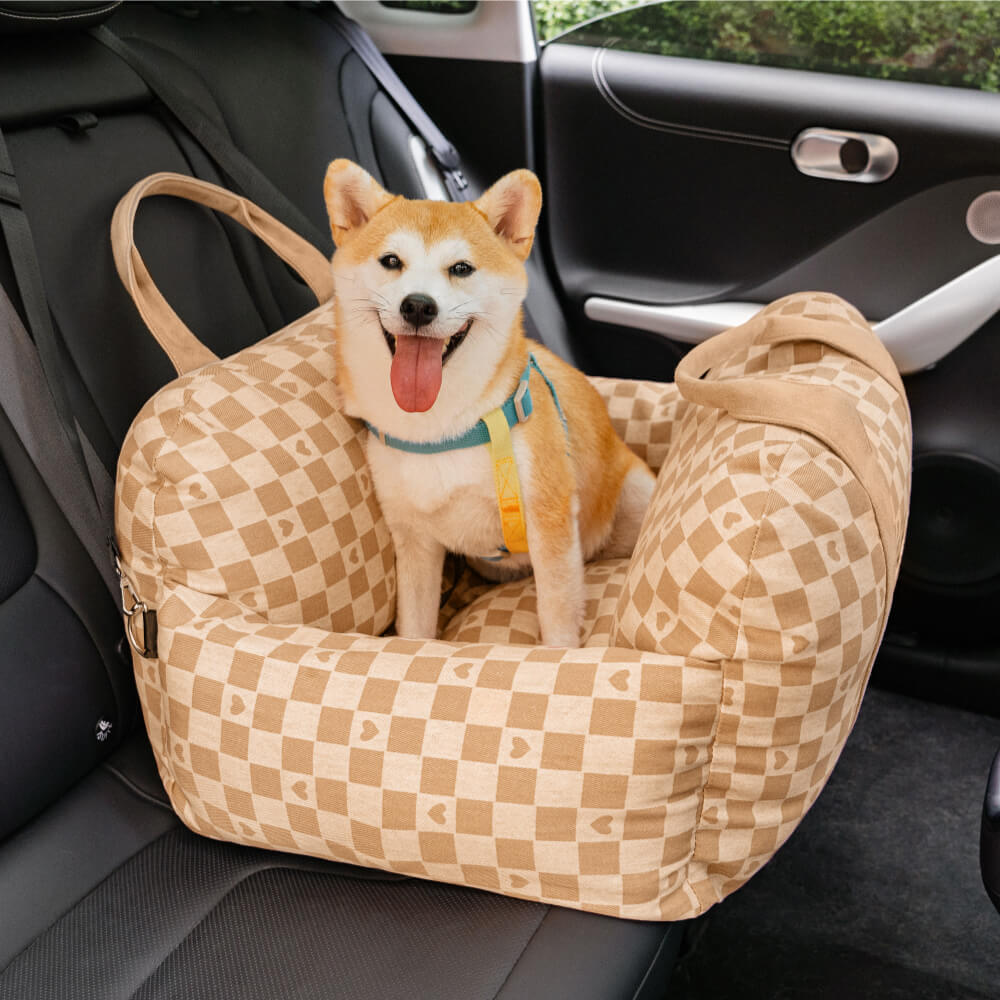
(508, 485)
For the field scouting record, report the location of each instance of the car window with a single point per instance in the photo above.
(951, 42)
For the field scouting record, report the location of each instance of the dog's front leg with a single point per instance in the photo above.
(419, 564)
(557, 560)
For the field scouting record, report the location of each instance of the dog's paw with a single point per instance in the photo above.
(415, 633)
(561, 637)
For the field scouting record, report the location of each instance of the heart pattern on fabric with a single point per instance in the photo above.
(437, 813)
(619, 680)
(602, 824)
(520, 748)
(369, 730)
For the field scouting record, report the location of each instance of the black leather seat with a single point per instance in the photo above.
(103, 893)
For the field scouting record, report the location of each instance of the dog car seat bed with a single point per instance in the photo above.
(644, 775)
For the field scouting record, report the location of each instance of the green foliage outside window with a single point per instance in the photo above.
(953, 42)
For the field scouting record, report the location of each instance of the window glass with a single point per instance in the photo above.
(952, 42)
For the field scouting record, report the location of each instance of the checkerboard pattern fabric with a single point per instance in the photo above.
(761, 553)
(644, 415)
(243, 479)
(645, 775)
(508, 613)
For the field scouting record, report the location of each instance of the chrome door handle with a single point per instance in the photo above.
(861, 157)
(917, 336)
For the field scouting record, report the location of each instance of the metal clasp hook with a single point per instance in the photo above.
(133, 609)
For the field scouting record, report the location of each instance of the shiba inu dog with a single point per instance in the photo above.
(478, 444)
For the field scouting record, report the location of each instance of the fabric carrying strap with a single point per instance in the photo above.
(827, 413)
(185, 350)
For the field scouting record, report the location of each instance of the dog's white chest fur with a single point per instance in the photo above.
(449, 496)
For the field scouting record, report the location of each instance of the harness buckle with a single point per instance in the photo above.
(522, 391)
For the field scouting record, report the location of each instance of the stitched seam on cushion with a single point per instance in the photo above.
(701, 885)
(527, 944)
(168, 439)
(653, 961)
(694, 859)
(771, 493)
(188, 394)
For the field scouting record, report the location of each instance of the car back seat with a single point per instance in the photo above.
(104, 893)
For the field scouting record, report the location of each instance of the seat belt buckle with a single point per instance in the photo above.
(450, 166)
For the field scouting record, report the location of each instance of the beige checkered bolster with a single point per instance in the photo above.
(242, 479)
(645, 775)
(644, 414)
(566, 776)
(509, 613)
(762, 552)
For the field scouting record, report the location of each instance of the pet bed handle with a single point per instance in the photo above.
(770, 329)
(184, 349)
(827, 413)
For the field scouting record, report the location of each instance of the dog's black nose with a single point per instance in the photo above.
(418, 309)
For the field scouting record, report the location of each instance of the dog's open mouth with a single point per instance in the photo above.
(448, 346)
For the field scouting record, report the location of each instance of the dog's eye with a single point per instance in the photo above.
(390, 262)
(461, 269)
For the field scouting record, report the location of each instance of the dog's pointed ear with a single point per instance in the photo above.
(511, 207)
(352, 196)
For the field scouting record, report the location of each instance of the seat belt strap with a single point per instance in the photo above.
(444, 153)
(33, 395)
(240, 169)
(27, 399)
(28, 276)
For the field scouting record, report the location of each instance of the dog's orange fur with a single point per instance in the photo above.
(575, 491)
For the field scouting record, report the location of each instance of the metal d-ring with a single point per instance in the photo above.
(133, 608)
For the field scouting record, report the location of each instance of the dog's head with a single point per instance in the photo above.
(428, 293)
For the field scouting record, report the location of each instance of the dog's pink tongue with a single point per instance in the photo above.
(416, 372)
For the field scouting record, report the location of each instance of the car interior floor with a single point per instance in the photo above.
(878, 892)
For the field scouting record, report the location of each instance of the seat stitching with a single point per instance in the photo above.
(527, 944)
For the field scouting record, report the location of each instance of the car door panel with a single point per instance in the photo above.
(691, 193)
(670, 183)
